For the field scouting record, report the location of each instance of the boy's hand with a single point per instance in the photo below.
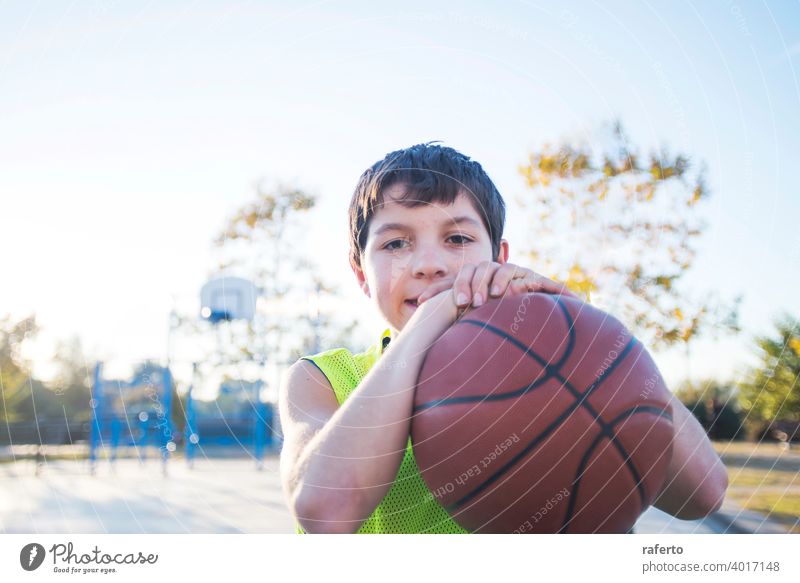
(474, 284)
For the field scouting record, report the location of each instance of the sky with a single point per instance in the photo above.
(130, 131)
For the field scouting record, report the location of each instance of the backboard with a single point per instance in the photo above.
(228, 298)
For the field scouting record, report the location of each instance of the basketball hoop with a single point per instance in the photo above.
(226, 299)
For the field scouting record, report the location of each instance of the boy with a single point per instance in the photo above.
(426, 245)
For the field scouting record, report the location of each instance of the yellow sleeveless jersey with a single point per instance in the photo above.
(408, 507)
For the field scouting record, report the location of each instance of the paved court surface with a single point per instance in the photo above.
(217, 496)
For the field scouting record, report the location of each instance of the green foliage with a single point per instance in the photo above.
(26, 399)
(607, 222)
(15, 380)
(71, 387)
(65, 398)
(771, 392)
(261, 240)
(268, 215)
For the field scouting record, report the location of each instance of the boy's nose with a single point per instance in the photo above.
(428, 264)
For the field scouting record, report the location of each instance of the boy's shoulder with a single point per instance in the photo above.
(344, 368)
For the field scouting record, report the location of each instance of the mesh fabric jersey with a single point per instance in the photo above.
(408, 507)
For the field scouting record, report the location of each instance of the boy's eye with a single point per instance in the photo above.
(463, 240)
(399, 243)
(391, 245)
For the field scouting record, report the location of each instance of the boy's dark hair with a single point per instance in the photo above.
(430, 173)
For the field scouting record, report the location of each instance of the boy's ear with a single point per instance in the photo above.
(362, 280)
(502, 256)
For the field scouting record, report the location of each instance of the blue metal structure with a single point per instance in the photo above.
(246, 425)
(135, 413)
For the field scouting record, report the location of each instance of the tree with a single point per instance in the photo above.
(71, 386)
(37, 412)
(623, 228)
(63, 400)
(770, 391)
(15, 376)
(259, 242)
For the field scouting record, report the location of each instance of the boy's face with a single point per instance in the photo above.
(407, 249)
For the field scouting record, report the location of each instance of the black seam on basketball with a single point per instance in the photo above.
(573, 496)
(581, 400)
(621, 357)
(554, 374)
(593, 387)
(576, 483)
(597, 382)
(550, 370)
(532, 444)
(486, 397)
(570, 331)
(605, 427)
(498, 332)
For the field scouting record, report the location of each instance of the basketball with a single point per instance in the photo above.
(538, 413)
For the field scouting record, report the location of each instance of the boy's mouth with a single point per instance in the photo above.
(411, 303)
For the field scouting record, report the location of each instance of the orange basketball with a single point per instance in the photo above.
(539, 413)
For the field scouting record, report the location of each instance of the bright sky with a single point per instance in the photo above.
(129, 131)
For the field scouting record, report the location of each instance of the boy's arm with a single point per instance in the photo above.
(338, 462)
(696, 478)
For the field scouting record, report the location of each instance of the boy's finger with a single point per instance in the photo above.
(518, 286)
(539, 283)
(480, 282)
(564, 290)
(550, 286)
(435, 289)
(428, 293)
(502, 278)
(463, 285)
